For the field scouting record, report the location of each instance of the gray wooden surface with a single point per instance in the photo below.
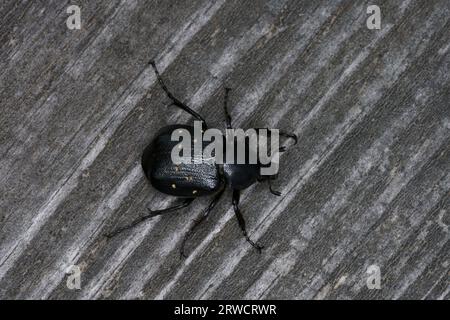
(368, 183)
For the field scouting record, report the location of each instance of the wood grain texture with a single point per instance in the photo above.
(368, 183)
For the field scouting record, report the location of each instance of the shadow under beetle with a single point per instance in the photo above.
(189, 181)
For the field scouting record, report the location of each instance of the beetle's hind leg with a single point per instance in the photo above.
(175, 101)
(151, 214)
(197, 222)
(241, 221)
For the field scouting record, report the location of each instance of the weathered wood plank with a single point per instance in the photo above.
(367, 184)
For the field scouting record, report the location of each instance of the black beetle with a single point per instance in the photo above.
(189, 181)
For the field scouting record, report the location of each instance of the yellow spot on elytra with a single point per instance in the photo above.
(174, 186)
(194, 192)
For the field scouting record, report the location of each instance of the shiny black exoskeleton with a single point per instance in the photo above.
(190, 181)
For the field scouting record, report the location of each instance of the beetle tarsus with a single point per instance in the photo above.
(225, 107)
(258, 247)
(292, 136)
(241, 221)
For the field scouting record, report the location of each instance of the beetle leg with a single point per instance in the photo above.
(175, 101)
(184, 204)
(272, 191)
(152, 214)
(269, 180)
(292, 136)
(197, 222)
(225, 107)
(241, 221)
